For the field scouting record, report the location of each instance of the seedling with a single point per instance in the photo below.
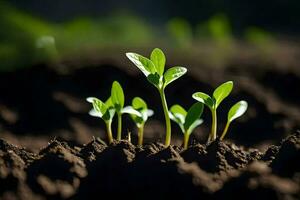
(154, 70)
(118, 99)
(140, 107)
(105, 111)
(235, 111)
(213, 102)
(187, 120)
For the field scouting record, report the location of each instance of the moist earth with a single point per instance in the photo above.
(218, 170)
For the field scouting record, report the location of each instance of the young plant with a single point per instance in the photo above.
(213, 102)
(140, 107)
(235, 111)
(105, 111)
(154, 70)
(118, 99)
(187, 120)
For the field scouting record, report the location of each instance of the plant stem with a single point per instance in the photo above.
(213, 134)
(119, 126)
(186, 140)
(167, 118)
(225, 130)
(140, 135)
(109, 133)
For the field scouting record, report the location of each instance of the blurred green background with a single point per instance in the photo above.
(35, 31)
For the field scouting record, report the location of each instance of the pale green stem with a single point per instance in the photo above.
(186, 140)
(140, 135)
(119, 133)
(167, 118)
(213, 134)
(225, 130)
(109, 132)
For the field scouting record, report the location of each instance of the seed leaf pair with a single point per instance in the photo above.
(101, 109)
(139, 113)
(154, 68)
(105, 111)
(187, 120)
(218, 96)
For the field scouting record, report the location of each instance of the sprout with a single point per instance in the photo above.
(105, 111)
(154, 70)
(139, 113)
(187, 121)
(118, 99)
(213, 102)
(235, 111)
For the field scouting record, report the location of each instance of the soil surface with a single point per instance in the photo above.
(219, 170)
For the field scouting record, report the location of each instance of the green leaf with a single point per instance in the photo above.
(143, 63)
(222, 92)
(204, 98)
(154, 79)
(193, 114)
(109, 103)
(237, 110)
(131, 110)
(159, 60)
(117, 96)
(98, 106)
(178, 114)
(172, 74)
(139, 104)
(194, 125)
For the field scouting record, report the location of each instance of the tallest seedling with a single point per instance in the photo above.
(154, 70)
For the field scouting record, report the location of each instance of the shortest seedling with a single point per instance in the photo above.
(235, 111)
(105, 111)
(139, 113)
(187, 120)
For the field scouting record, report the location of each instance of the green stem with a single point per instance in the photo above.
(213, 134)
(140, 135)
(119, 133)
(109, 133)
(225, 130)
(186, 140)
(167, 118)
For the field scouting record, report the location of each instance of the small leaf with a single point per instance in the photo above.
(193, 114)
(178, 114)
(222, 92)
(138, 103)
(95, 114)
(117, 95)
(172, 74)
(143, 63)
(109, 103)
(237, 110)
(159, 60)
(98, 106)
(131, 110)
(204, 98)
(194, 125)
(154, 79)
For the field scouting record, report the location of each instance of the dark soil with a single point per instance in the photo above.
(219, 170)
